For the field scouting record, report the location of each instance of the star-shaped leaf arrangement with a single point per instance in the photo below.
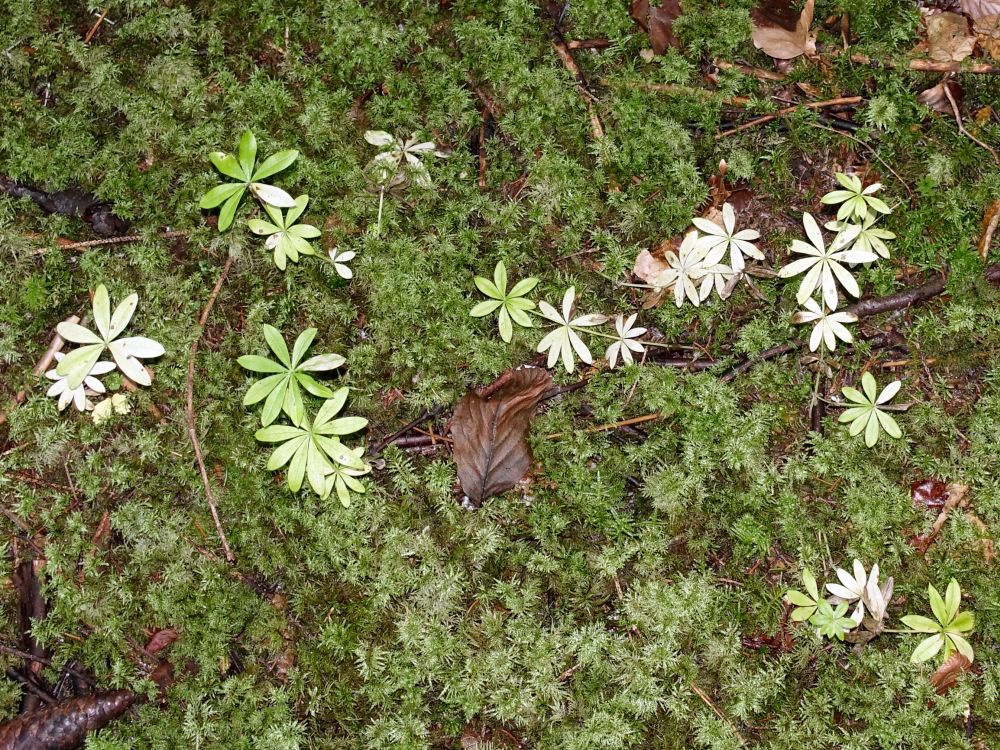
(311, 449)
(829, 326)
(512, 305)
(247, 177)
(127, 352)
(718, 239)
(823, 266)
(280, 389)
(564, 339)
(344, 479)
(831, 621)
(866, 412)
(287, 239)
(947, 628)
(856, 201)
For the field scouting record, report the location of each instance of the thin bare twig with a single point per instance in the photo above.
(96, 26)
(192, 427)
(870, 150)
(10, 651)
(121, 240)
(708, 702)
(787, 111)
(961, 125)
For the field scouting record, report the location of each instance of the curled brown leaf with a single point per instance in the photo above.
(947, 674)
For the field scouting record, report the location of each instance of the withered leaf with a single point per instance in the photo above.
(936, 98)
(648, 266)
(781, 32)
(658, 22)
(62, 726)
(991, 218)
(987, 31)
(928, 493)
(976, 9)
(160, 640)
(948, 37)
(490, 432)
(947, 674)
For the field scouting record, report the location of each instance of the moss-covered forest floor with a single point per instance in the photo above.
(629, 593)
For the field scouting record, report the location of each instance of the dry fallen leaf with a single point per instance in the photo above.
(976, 9)
(648, 266)
(781, 32)
(947, 674)
(936, 98)
(160, 640)
(987, 31)
(490, 429)
(948, 37)
(658, 22)
(928, 493)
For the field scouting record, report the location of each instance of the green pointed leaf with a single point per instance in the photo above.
(284, 452)
(261, 389)
(275, 399)
(275, 340)
(937, 605)
(952, 600)
(278, 433)
(274, 164)
(921, 624)
(229, 211)
(259, 364)
(927, 648)
(963, 622)
(219, 193)
(248, 151)
(313, 386)
(302, 344)
(229, 166)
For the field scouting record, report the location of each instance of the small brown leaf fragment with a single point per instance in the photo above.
(987, 31)
(936, 98)
(490, 432)
(948, 37)
(946, 676)
(647, 266)
(160, 640)
(65, 725)
(658, 22)
(990, 220)
(781, 32)
(928, 493)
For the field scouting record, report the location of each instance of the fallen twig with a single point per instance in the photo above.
(708, 702)
(613, 425)
(581, 84)
(121, 240)
(787, 111)
(760, 73)
(961, 125)
(192, 427)
(10, 651)
(926, 66)
(96, 26)
(380, 445)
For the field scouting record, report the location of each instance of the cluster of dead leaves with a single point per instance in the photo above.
(952, 37)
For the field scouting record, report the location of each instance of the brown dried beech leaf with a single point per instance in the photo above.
(948, 37)
(976, 9)
(658, 22)
(647, 266)
(947, 674)
(781, 32)
(490, 429)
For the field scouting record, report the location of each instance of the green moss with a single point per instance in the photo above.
(580, 610)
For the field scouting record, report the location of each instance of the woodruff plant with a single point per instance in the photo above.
(946, 632)
(310, 446)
